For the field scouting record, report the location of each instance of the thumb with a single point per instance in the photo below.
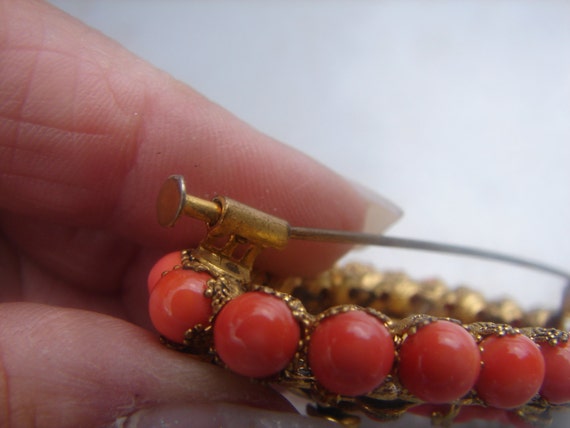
(70, 368)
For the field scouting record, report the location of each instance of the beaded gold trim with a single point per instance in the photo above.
(397, 295)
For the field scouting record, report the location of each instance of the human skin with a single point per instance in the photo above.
(88, 133)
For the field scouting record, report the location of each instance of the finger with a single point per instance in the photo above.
(89, 132)
(218, 415)
(69, 368)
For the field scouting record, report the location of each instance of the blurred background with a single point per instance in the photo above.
(459, 112)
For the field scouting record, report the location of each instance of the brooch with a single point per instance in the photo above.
(355, 340)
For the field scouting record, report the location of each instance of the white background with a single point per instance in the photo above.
(459, 112)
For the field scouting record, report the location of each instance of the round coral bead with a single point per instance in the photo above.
(512, 373)
(556, 385)
(256, 335)
(177, 303)
(440, 363)
(164, 264)
(351, 353)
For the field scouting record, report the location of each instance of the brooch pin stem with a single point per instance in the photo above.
(225, 216)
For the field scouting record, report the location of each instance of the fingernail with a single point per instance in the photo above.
(216, 415)
(381, 212)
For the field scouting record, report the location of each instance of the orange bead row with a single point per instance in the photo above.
(352, 352)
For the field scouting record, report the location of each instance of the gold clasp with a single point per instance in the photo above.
(247, 230)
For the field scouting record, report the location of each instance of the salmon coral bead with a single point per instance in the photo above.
(512, 373)
(439, 363)
(556, 385)
(351, 353)
(177, 303)
(256, 335)
(164, 264)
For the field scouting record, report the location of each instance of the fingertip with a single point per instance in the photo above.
(147, 127)
(82, 369)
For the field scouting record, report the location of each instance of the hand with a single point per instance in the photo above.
(88, 133)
